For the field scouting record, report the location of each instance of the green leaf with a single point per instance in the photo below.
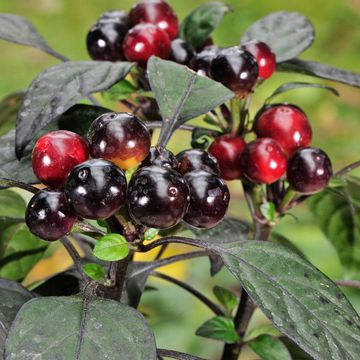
(282, 240)
(9, 107)
(219, 328)
(79, 118)
(69, 328)
(12, 205)
(151, 233)
(295, 352)
(10, 166)
(299, 85)
(200, 23)
(111, 247)
(322, 71)
(201, 137)
(60, 87)
(270, 348)
(226, 297)
(19, 30)
(94, 271)
(287, 33)
(267, 329)
(12, 297)
(268, 210)
(337, 213)
(182, 94)
(120, 91)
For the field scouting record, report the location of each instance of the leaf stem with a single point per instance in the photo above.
(289, 197)
(75, 257)
(235, 106)
(348, 168)
(211, 305)
(55, 54)
(7, 183)
(177, 355)
(348, 283)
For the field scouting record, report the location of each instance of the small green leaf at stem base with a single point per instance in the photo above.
(150, 234)
(226, 297)
(269, 348)
(94, 271)
(219, 328)
(112, 247)
(268, 210)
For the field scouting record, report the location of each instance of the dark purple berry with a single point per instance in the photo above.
(193, 159)
(115, 15)
(161, 157)
(181, 52)
(201, 62)
(49, 216)
(96, 189)
(309, 170)
(236, 69)
(158, 197)
(209, 199)
(105, 38)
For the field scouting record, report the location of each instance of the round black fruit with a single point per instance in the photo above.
(96, 189)
(195, 159)
(49, 216)
(181, 52)
(158, 197)
(209, 199)
(161, 157)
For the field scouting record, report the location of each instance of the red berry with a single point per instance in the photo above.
(55, 154)
(264, 56)
(287, 124)
(156, 12)
(227, 150)
(263, 161)
(236, 69)
(309, 170)
(49, 216)
(121, 138)
(144, 41)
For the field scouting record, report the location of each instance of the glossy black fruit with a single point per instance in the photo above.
(236, 69)
(309, 170)
(96, 189)
(161, 157)
(181, 52)
(49, 216)
(201, 62)
(105, 39)
(158, 197)
(209, 199)
(193, 159)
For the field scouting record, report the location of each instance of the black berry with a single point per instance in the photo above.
(96, 189)
(181, 52)
(49, 216)
(158, 197)
(201, 62)
(161, 157)
(193, 159)
(209, 199)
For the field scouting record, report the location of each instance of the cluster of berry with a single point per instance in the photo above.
(284, 135)
(165, 190)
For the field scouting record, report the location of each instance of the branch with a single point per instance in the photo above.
(75, 257)
(348, 168)
(212, 306)
(171, 240)
(158, 124)
(177, 355)
(348, 283)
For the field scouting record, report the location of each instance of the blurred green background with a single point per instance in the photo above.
(173, 314)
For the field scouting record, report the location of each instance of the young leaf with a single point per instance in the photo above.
(58, 88)
(70, 328)
(79, 118)
(267, 329)
(94, 271)
(182, 94)
(17, 29)
(201, 138)
(270, 348)
(322, 71)
(337, 213)
(151, 233)
(226, 297)
(111, 247)
(10, 166)
(9, 108)
(200, 23)
(268, 210)
(299, 85)
(219, 328)
(12, 297)
(287, 33)
(120, 91)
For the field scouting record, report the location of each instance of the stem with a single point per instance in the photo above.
(348, 283)
(75, 257)
(55, 54)
(93, 100)
(212, 306)
(348, 168)
(177, 355)
(289, 197)
(161, 252)
(235, 105)
(169, 240)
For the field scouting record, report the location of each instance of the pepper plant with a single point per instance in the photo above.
(97, 185)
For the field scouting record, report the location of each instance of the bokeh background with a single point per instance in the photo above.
(173, 314)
